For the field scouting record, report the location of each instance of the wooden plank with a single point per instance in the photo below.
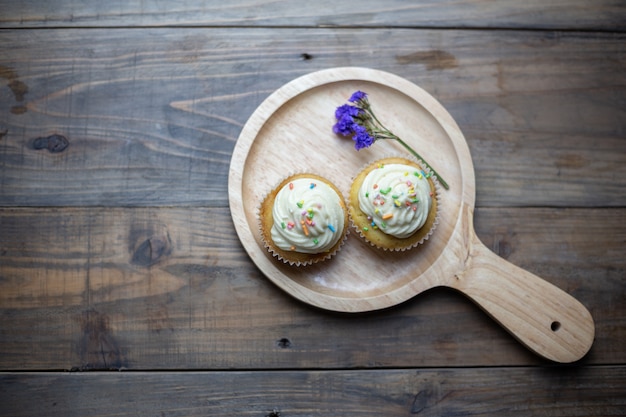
(581, 391)
(151, 116)
(170, 288)
(537, 14)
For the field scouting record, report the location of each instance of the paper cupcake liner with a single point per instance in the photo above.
(294, 258)
(410, 243)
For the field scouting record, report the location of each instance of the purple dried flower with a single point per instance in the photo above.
(357, 96)
(359, 122)
(344, 126)
(346, 115)
(362, 138)
(347, 110)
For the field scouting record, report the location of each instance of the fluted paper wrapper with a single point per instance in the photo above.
(399, 244)
(294, 258)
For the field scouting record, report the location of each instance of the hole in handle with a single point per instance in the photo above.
(555, 326)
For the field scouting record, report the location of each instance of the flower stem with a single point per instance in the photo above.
(408, 148)
(388, 135)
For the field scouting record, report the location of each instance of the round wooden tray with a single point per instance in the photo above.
(291, 131)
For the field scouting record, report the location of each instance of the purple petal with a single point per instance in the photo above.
(362, 139)
(345, 126)
(357, 96)
(346, 109)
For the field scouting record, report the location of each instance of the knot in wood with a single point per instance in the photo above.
(150, 248)
(53, 143)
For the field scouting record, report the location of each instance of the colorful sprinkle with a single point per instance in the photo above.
(331, 228)
(312, 185)
(304, 228)
(300, 203)
(387, 216)
(290, 225)
(385, 191)
(397, 203)
(315, 241)
(283, 225)
(365, 229)
(291, 185)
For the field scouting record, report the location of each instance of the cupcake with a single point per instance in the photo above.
(303, 220)
(393, 203)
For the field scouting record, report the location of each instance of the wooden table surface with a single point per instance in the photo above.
(124, 289)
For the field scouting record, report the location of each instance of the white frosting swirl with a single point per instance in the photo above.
(308, 217)
(396, 198)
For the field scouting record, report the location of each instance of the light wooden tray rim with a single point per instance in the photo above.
(358, 278)
(292, 128)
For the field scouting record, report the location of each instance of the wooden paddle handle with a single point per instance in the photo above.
(541, 316)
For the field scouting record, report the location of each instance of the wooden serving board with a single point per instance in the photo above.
(291, 131)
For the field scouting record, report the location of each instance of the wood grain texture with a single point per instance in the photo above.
(117, 123)
(581, 391)
(537, 14)
(349, 283)
(155, 288)
(151, 116)
(544, 318)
